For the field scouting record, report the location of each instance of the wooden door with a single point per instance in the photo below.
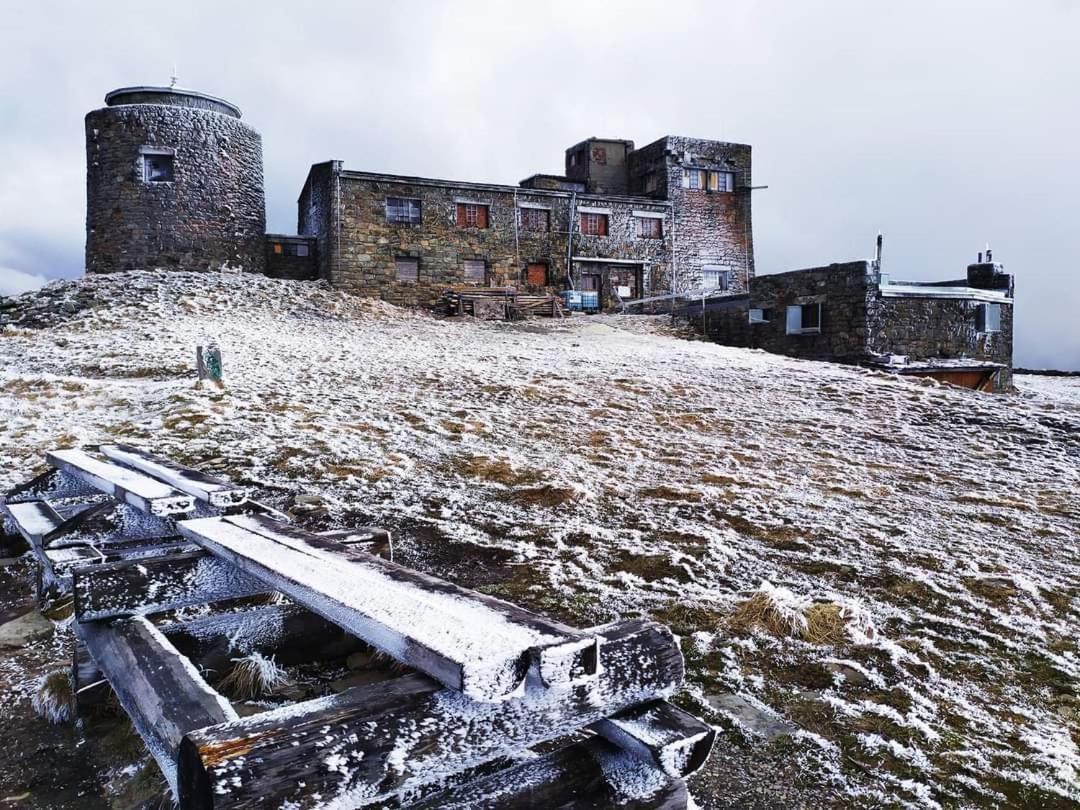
(536, 274)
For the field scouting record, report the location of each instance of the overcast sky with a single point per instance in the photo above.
(946, 125)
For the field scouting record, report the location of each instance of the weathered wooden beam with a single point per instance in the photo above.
(162, 693)
(589, 774)
(125, 485)
(146, 585)
(34, 520)
(290, 633)
(673, 740)
(378, 741)
(214, 491)
(466, 640)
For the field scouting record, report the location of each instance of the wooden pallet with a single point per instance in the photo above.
(483, 683)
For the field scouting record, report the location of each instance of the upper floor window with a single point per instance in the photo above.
(475, 271)
(535, 219)
(693, 178)
(402, 211)
(594, 224)
(158, 168)
(715, 277)
(290, 249)
(701, 179)
(721, 181)
(472, 215)
(649, 227)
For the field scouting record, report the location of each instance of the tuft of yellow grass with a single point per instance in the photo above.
(780, 613)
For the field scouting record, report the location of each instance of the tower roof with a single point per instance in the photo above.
(170, 97)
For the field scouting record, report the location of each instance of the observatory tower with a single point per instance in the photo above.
(174, 180)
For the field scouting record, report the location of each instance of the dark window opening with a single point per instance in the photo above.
(475, 271)
(158, 168)
(407, 269)
(535, 219)
(400, 211)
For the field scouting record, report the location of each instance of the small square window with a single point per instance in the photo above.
(475, 271)
(715, 277)
(301, 250)
(279, 248)
(407, 269)
(694, 179)
(650, 227)
(721, 181)
(472, 215)
(401, 211)
(804, 319)
(759, 316)
(594, 224)
(535, 219)
(158, 168)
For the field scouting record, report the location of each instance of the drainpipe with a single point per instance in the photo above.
(570, 239)
(517, 246)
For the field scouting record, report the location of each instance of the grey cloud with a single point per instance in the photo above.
(946, 125)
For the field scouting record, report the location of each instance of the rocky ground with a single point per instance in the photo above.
(876, 579)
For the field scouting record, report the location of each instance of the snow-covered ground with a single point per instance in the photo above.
(627, 471)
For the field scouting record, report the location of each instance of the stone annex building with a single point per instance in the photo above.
(175, 180)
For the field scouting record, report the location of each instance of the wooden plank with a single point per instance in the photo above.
(125, 485)
(34, 520)
(467, 641)
(369, 539)
(589, 775)
(153, 584)
(290, 633)
(215, 491)
(162, 693)
(391, 738)
(672, 740)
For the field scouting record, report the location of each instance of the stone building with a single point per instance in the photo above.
(628, 224)
(174, 180)
(958, 331)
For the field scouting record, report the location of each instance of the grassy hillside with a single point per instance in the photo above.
(889, 566)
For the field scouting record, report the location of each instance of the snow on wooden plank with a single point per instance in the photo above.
(586, 774)
(151, 585)
(673, 740)
(467, 641)
(163, 694)
(125, 485)
(214, 491)
(34, 520)
(393, 738)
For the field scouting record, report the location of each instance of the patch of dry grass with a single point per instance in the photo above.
(496, 470)
(252, 676)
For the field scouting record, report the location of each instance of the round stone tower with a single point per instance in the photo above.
(174, 180)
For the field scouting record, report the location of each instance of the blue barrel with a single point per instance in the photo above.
(571, 300)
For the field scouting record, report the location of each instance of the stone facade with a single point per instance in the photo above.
(857, 315)
(360, 245)
(713, 226)
(203, 209)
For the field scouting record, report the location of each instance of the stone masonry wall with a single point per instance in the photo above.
(711, 228)
(211, 216)
(364, 259)
(924, 328)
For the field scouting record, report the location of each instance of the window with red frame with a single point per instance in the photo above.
(594, 224)
(472, 215)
